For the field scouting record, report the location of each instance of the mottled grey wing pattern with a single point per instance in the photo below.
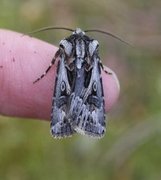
(60, 126)
(87, 114)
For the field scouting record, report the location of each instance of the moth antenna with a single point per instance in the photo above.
(50, 28)
(109, 34)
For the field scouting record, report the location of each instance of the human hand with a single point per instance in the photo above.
(22, 60)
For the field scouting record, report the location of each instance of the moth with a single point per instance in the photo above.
(78, 104)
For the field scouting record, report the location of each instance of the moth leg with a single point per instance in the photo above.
(49, 67)
(103, 68)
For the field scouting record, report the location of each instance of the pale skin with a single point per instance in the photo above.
(23, 59)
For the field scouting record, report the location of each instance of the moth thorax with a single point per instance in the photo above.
(79, 62)
(80, 53)
(80, 48)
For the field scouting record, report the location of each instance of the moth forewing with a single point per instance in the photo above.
(88, 114)
(60, 127)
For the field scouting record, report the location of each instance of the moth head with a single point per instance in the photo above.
(66, 46)
(93, 47)
(79, 31)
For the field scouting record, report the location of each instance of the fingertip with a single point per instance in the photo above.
(111, 88)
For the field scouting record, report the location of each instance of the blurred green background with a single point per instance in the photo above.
(131, 148)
